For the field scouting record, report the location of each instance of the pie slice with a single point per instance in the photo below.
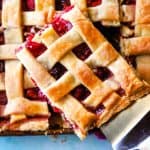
(136, 45)
(80, 72)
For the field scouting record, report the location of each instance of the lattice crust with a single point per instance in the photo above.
(137, 42)
(15, 19)
(24, 114)
(104, 97)
(106, 11)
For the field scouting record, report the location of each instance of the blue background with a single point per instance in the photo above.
(61, 142)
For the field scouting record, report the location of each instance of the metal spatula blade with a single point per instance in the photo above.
(123, 123)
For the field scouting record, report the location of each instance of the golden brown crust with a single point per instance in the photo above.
(99, 95)
(81, 71)
(142, 30)
(103, 56)
(125, 76)
(110, 12)
(127, 13)
(85, 28)
(139, 46)
(41, 5)
(110, 9)
(66, 84)
(143, 67)
(69, 41)
(136, 46)
(82, 4)
(38, 72)
(142, 12)
(83, 120)
(35, 124)
(22, 105)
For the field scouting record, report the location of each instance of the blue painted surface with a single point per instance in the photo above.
(62, 142)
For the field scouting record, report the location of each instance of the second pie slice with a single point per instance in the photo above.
(135, 38)
(80, 72)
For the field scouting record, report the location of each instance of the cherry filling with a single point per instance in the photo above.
(35, 94)
(80, 92)
(82, 51)
(102, 72)
(62, 4)
(28, 5)
(131, 60)
(0, 4)
(129, 2)
(3, 98)
(35, 48)
(112, 34)
(30, 29)
(56, 110)
(72, 124)
(2, 41)
(99, 110)
(92, 3)
(2, 66)
(4, 121)
(98, 133)
(121, 91)
(60, 25)
(58, 70)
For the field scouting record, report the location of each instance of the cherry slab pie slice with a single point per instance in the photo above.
(93, 81)
(135, 41)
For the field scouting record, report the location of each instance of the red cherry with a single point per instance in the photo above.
(56, 110)
(35, 48)
(82, 51)
(3, 98)
(129, 2)
(60, 25)
(93, 3)
(35, 94)
(80, 92)
(103, 72)
(2, 66)
(30, 5)
(121, 91)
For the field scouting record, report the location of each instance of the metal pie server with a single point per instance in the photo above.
(131, 127)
